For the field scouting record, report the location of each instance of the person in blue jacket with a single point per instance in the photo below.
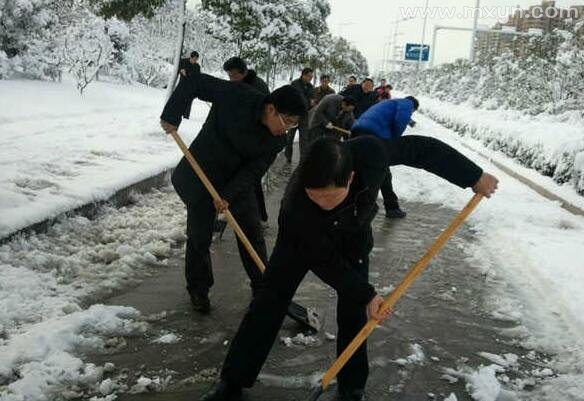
(388, 120)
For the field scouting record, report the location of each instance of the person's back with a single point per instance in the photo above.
(223, 144)
(387, 119)
(254, 80)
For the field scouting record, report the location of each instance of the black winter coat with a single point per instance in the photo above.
(233, 148)
(306, 88)
(331, 242)
(251, 78)
(362, 100)
(189, 67)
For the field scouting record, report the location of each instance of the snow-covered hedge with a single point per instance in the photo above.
(529, 106)
(547, 79)
(550, 145)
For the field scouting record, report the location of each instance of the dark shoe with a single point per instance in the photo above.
(223, 392)
(351, 395)
(200, 302)
(395, 213)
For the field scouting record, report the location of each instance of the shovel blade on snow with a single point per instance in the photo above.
(307, 317)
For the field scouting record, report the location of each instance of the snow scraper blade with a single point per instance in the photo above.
(307, 317)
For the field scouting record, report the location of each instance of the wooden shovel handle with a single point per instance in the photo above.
(215, 195)
(344, 131)
(392, 299)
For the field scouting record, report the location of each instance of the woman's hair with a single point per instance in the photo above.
(326, 163)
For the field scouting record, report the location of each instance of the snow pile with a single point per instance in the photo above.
(49, 275)
(553, 147)
(46, 278)
(146, 384)
(483, 385)
(417, 356)
(41, 361)
(75, 151)
(170, 338)
(300, 339)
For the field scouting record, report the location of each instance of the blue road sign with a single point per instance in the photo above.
(413, 52)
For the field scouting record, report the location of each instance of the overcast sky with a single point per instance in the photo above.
(369, 23)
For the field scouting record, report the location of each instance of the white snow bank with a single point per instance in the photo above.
(553, 147)
(41, 360)
(59, 151)
(49, 275)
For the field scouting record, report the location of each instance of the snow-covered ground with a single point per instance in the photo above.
(47, 281)
(534, 249)
(60, 150)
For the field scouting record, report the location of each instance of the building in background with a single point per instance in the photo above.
(539, 19)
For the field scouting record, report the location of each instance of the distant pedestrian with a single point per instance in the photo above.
(386, 94)
(304, 86)
(363, 94)
(323, 89)
(381, 88)
(236, 69)
(188, 67)
(352, 80)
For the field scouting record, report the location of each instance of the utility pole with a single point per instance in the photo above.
(178, 50)
(474, 31)
(396, 33)
(426, 11)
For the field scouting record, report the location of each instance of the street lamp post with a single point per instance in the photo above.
(395, 35)
(423, 33)
(474, 31)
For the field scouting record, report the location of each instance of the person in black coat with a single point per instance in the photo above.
(304, 86)
(236, 69)
(239, 140)
(363, 94)
(189, 66)
(325, 226)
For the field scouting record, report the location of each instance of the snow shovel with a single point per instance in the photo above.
(392, 299)
(307, 317)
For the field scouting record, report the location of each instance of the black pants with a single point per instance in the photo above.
(261, 199)
(390, 199)
(304, 139)
(200, 219)
(259, 328)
